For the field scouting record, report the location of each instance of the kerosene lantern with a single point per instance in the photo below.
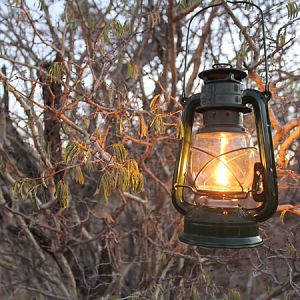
(219, 165)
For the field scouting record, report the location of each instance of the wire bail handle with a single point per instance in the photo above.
(266, 92)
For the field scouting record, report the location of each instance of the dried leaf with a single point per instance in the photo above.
(282, 214)
(133, 166)
(155, 104)
(153, 19)
(292, 251)
(99, 138)
(62, 194)
(43, 180)
(77, 175)
(179, 130)
(242, 55)
(142, 127)
(281, 39)
(136, 178)
(132, 70)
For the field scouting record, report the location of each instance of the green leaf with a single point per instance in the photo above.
(62, 194)
(106, 184)
(293, 9)
(179, 130)
(184, 4)
(122, 178)
(120, 152)
(137, 182)
(120, 125)
(106, 33)
(233, 295)
(116, 29)
(56, 72)
(90, 166)
(158, 124)
(207, 279)
(15, 2)
(248, 5)
(71, 152)
(292, 251)
(77, 175)
(27, 187)
(41, 5)
(31, 187)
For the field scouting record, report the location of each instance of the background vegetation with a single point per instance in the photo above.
(89, 124)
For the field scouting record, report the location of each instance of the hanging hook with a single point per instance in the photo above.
(267, 92)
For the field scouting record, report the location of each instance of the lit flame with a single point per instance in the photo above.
(222, 174)
(221, 170)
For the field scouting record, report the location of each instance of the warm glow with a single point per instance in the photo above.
(226, 163)
(221, 172)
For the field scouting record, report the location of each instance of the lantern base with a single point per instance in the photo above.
(217, 227)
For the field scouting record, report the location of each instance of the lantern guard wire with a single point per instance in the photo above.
(208, 193)
(214, 157)
(267, 92)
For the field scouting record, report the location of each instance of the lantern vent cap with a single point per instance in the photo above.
(223, 72)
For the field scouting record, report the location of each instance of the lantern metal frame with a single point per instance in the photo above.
(227, 227)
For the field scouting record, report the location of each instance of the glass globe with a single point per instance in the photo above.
(223, 162)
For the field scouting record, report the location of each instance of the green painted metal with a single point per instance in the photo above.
(208, 226)
(181, 167)
(220, 228)
(222, 89)
(269, 197)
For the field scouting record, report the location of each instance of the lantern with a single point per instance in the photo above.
(218, 165)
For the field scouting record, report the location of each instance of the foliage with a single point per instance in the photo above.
(293, 9)
(56, 72)
(233, 295)
(62, 194)
(88, 150)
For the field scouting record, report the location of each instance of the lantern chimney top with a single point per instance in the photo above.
(222, 72)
